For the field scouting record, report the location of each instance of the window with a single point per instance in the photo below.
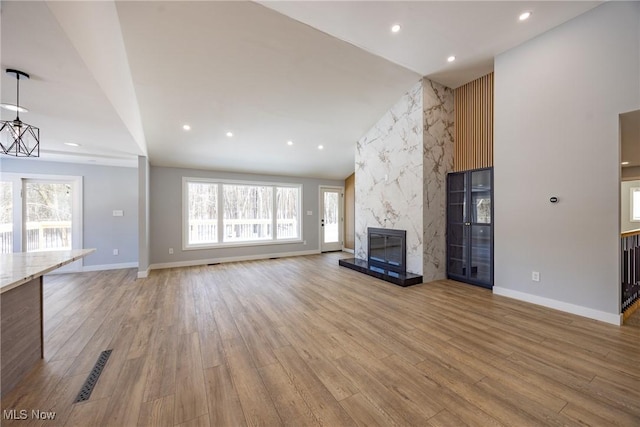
(6, 217)
(203, 213)
(219, 213)
(248, 213)
(635, 204)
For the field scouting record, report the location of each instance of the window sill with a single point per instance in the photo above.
(240, 244)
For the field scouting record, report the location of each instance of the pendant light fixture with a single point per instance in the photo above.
(18, 138)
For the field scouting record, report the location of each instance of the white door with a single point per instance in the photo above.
(331, 218)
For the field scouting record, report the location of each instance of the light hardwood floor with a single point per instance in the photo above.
(301, 341)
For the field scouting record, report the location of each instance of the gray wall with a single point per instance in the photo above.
(557, 101)
(105, 188)
(143, 214)
(625, 206)
(166, 216)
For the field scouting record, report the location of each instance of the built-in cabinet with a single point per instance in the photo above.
(470, 227)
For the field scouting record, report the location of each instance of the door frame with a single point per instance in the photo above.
(321, 188)
(19, 181)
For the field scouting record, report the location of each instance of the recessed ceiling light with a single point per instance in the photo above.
(229, 134)
(395, 28)
(289, 142)
(72, 144)
(624, 163)
(320, 147)
(14, 107)
(524, 16)
(451, 58)
(186, 127)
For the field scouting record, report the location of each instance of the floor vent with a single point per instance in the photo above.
(92, 379)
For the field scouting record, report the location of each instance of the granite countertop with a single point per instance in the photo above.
(19, 268)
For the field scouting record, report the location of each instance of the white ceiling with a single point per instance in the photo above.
(121, 78)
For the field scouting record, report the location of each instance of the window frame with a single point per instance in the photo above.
(186, 246)
(631, 204)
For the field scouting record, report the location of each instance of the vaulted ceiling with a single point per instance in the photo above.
(122, 78)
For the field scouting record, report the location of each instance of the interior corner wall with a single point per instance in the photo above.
(389, 177)
(143, 216)
(557, 101)
(438, 146)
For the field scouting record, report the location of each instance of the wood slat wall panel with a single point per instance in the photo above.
(350, 212)
(474, 125)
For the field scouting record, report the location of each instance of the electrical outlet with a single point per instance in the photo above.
(304, 242)
(170, 251)
(535, 276)
(115, 252)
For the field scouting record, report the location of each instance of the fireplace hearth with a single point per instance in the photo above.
(387, 257)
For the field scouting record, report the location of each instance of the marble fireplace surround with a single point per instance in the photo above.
(400, 176)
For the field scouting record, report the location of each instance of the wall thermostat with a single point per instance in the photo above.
(553, 200)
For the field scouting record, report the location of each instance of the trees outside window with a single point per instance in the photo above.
(222, 212)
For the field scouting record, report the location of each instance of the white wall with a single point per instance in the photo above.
(625, 206)
(166, 218)
(106, 188)
(557, 101)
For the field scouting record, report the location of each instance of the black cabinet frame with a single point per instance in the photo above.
(470, 241)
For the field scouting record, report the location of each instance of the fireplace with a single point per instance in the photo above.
(387, 249)
(387, 257)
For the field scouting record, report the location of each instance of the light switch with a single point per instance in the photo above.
(118, 213)
(309, 213)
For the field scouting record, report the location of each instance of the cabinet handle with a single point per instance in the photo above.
(467, 223)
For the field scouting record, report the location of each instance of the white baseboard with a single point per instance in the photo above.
(614, 319)
(191, 263)
(143, 274)
(351, 251)
(102, 267)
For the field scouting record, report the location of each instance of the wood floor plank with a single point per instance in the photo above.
(88, 413)
(224, 404)
(125, 404)
(256, 402)
(395, 407)
(325, 409)
(157, 412)
(275, 342)
(364, 413)
(162, 364)
(445, 418)
(201, 421)
(190, 395)
(291, 406)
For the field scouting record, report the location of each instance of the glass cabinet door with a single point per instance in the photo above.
(480, 223)
(456, 229)
(470, 227)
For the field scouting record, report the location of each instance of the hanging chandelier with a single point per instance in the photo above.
(18, 138)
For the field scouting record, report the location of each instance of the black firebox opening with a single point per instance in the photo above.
(387, 249)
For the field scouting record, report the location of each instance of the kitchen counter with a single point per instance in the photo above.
(21, 310)
(22, 267)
